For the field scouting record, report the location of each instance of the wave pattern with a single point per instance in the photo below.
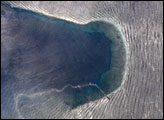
(141, 94)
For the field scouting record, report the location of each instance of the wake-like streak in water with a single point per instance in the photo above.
(33, 95)
(61, 90)
(141, 87)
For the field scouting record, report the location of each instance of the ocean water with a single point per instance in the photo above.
(50, 53)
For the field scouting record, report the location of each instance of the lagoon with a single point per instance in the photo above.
(51, 53)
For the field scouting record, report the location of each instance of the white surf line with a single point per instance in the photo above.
(61, 90)
(91, 84)
(85, 85)
(16, 99)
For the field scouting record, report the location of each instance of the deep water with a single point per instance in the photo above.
(52, 53)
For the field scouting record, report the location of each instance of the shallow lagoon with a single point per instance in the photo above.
(52, 53)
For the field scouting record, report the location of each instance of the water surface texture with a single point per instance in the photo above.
(51, 55)
(140, 95)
